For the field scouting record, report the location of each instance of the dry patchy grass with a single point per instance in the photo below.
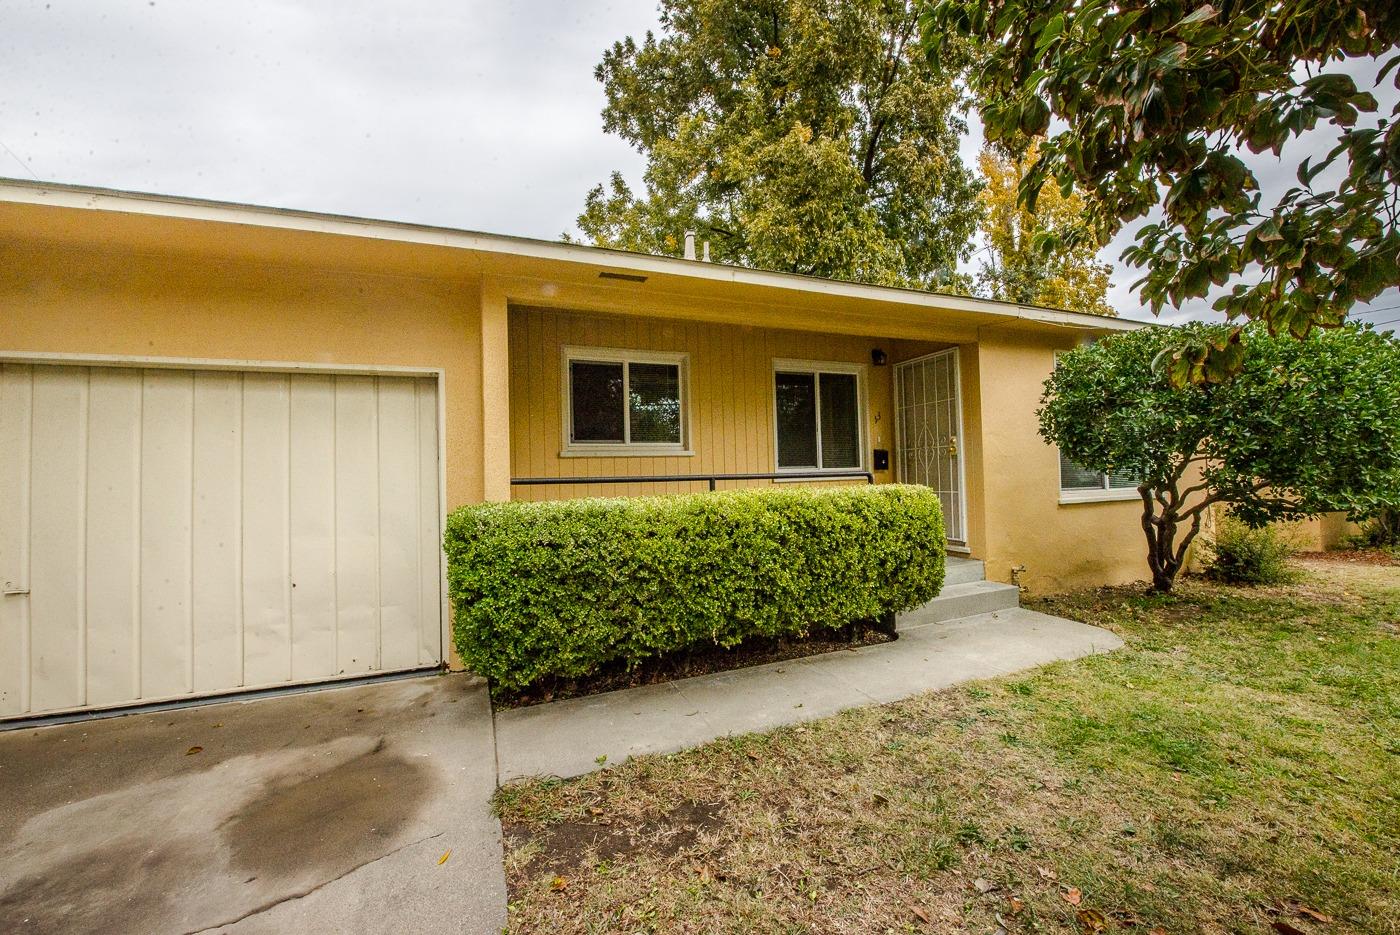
(1235, 768)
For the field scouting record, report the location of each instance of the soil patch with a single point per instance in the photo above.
(568, 845)
(687, 663)
(1352, 556)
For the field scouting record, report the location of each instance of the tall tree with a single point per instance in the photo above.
(1155, 100)
(1028, 258)
(810, 136)
(1305, 426)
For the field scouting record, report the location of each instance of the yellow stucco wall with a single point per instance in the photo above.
(106, 302)
(1060, 545)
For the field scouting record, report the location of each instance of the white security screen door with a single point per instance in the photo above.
(170, 533)
(929, 426)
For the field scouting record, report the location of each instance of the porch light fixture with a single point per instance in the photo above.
(878, 357)
(625, 277)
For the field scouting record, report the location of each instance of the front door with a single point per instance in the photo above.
(929, 426)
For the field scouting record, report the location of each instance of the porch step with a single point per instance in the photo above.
(962, 600)
(963, 570)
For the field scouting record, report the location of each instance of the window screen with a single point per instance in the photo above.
(840, 412)
(655, 405)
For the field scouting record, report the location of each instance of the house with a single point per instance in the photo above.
(229, 434)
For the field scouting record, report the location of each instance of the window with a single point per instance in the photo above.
(1077, 483)
(817, 414)
(623, 402)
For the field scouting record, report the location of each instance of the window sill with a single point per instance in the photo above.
(625, 451)
(1117, 494)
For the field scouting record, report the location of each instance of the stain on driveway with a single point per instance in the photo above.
(324, 811)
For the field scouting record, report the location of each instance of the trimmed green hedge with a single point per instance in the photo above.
(561, 588)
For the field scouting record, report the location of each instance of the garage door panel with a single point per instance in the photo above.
(16, 403)
(167, 440)
(113, 598)
(267, 631)
(313, 528)
(188, 532)
(399, 559)
(357, 524)
(429, 531)
(216, 553)
(56, 558)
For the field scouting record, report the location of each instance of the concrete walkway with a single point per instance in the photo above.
(569, 738)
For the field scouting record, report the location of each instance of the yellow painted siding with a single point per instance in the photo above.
(730, 397)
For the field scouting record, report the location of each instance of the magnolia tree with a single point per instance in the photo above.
(1303, 427)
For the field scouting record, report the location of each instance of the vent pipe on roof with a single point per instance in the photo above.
(690, 245)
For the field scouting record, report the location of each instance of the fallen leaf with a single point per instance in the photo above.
(1126, 917)
(1072, 895)
(753, 756)
(559, 884)
(921, 915)
(704, 874)
(1313, 914)
(1158, 930)
(1092, 920)
(880, 800)
(983, 886)
(1283, 928)
(1045, 874)
(193, 750)
(1016, 904)
(443, 859)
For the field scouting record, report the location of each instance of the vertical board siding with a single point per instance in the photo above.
(357, 525)
(312, 527)
(168, 532)
(16, 408)
(217, 529)
(113, 510)
(729, 407)
(56, 537)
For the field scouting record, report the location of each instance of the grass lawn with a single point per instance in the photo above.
(1236, 768)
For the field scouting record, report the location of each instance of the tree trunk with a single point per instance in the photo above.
(1165, 557)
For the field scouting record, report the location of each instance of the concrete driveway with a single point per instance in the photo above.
(326, 811)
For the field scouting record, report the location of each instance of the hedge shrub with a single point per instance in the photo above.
(561, 588)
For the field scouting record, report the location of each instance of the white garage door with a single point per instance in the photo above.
(167, 533)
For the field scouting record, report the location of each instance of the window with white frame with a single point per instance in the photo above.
(624, 402)
(817, 415)
(1080, 483)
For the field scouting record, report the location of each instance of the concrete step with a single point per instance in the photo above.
(962, 600)
(963, 570)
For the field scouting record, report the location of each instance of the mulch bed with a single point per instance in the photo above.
(700, 661)
(1353, 556)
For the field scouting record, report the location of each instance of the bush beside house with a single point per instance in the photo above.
(562, 588)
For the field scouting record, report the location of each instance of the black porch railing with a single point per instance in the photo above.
(867, 476)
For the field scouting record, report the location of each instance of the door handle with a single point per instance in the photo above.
(952, 446)
(10, 588)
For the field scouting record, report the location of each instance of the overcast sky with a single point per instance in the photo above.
(463, 113)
